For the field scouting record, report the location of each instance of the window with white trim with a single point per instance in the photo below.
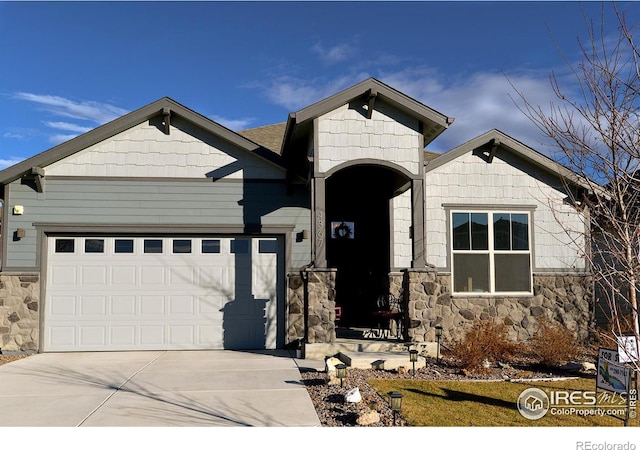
(491, 252)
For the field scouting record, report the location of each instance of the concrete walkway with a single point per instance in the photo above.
(155, 388)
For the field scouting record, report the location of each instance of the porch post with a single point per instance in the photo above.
(417, 213)
(319, 247)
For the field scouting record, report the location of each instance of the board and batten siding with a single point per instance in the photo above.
(155, 202)
(345, 134)
(470, 180)
(146, 151)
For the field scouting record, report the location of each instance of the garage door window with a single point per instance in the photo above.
(123, 246)
(65, 245)
(211, 246)
(153, 245)
(181, 246)
(94, 246)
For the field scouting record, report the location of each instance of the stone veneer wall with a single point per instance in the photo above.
(19, 315)
(565, 298)
(318, 288)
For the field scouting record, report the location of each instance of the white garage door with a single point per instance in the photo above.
(162, 293)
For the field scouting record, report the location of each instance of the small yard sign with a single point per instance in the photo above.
(612, 376)
(627, 348)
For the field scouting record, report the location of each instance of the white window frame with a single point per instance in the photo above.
(491, 251)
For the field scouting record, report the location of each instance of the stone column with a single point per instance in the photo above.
(19, 312)
(420, 287)
(321, 303)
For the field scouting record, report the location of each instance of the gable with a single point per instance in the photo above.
(508, 181)
(145, 150)
(347, 134)
(163, 114)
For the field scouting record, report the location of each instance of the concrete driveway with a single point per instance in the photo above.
(155, 388)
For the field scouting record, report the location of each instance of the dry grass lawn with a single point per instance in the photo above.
(485, 404)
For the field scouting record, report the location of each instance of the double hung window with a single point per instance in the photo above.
(491, 251)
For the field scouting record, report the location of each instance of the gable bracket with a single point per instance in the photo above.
(166, 116)
(38, 177)
(372, 102)
(494, 143)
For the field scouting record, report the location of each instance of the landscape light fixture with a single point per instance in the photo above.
(395, 399)
(413, 357)
(438, 336)
(341, 372)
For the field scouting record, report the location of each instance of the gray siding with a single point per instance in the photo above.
(155, 202)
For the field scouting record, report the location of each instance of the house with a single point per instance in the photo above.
(165, 230)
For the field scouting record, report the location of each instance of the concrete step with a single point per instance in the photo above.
(379, 360)
(371, 354)
(321, 351)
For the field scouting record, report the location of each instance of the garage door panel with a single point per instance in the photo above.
(94, 276)
(151, 305)
(62, 305)
(123, 305)
(198, 293)
(181, 276)
(181, 335)
(181, 305)
(93, 305)
(93, 336)
(62, 275)
(123, 275)
(211, 305)
(210, 336)
(152, 275)
(122, 335)
(152, 335)
(62, 336)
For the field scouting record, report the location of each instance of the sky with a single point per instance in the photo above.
(68, 67)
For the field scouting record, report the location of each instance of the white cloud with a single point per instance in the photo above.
(13, 135)
(335, 54)
(477, 101)
(232, 124)
(66, 126)
(4, 163)
(60, 138)
(92, 111)
(296, 93)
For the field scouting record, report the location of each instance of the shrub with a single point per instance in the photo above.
(486, 341)
(553, 344)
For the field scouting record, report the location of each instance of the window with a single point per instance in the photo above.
(181, 246)
(211, 246)
(123, 246)
(94, 246)
(153, 245)
(65, 245)
(491, 252)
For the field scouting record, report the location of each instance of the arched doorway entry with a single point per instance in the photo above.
(359, 230)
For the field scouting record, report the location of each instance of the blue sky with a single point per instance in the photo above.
(68, 67)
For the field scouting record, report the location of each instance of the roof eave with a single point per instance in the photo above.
(123, 123)
(528, 153)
